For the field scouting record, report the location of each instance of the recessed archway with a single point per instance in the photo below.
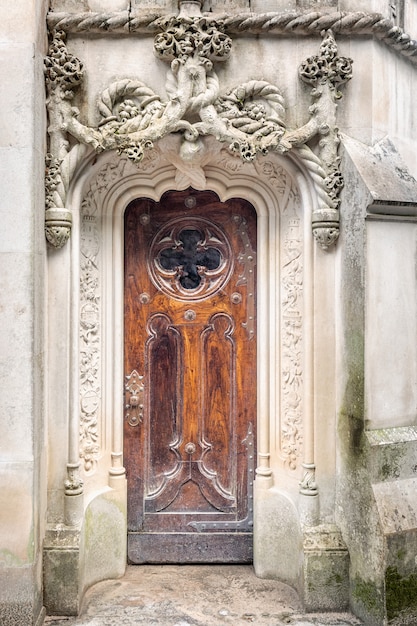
(284, 198)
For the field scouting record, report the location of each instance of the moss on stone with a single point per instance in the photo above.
(391, 465)
(351, 422)
(401, 592)
(367, 594)
(353, 407)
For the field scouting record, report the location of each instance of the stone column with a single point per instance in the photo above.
(22, 276)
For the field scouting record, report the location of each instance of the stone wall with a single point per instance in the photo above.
(22, 296)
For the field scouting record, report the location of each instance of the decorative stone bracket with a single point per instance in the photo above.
(249, 119)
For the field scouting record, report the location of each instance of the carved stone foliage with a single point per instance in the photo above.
(292, 334)
(249, 120)
(291, 321)
(90, 324)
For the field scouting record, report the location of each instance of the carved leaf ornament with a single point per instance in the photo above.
(249, 119)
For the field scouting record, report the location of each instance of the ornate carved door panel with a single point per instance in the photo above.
(190, 377)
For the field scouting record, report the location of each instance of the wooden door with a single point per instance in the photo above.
(190, 378)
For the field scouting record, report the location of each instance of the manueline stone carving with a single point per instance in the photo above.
(90, 329)
(249, 120)
(287, 22)
(63, 73)
(326, 72)
(292, 333)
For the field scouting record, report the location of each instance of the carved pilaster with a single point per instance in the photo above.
(90, 324)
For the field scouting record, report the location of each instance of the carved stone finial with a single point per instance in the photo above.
(62, 69)
(326, 66)
(326, 71)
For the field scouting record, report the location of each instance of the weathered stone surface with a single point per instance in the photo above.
(22, 261)
(325, 569)
(61, 575)
(392, 188)
(397, 505)
(198, 596)
(392, 454)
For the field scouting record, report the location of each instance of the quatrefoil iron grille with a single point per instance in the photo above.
(190, 259)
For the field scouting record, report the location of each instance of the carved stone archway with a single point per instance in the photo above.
(290, 268)
(150, 147)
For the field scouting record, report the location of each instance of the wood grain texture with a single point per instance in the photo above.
(186, 318)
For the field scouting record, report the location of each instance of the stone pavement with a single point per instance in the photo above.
(195, 595)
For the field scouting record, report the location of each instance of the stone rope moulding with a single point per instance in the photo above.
(290, 23)
(249, 120)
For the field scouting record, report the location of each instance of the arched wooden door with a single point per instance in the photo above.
(190, 378)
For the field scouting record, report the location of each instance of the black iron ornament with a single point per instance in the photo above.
(190, 258)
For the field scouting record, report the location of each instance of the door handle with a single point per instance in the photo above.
(135, 390)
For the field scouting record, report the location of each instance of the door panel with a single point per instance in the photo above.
(190, 372)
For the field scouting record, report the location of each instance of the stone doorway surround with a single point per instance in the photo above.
(364, 297)
(295, 194)
(295, 366)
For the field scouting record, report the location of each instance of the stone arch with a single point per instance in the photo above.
(285, 196)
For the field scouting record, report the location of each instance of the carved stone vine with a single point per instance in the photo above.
(90, 312)
(249, 120)
(292, 304)
(292, 333)
(63, 73)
